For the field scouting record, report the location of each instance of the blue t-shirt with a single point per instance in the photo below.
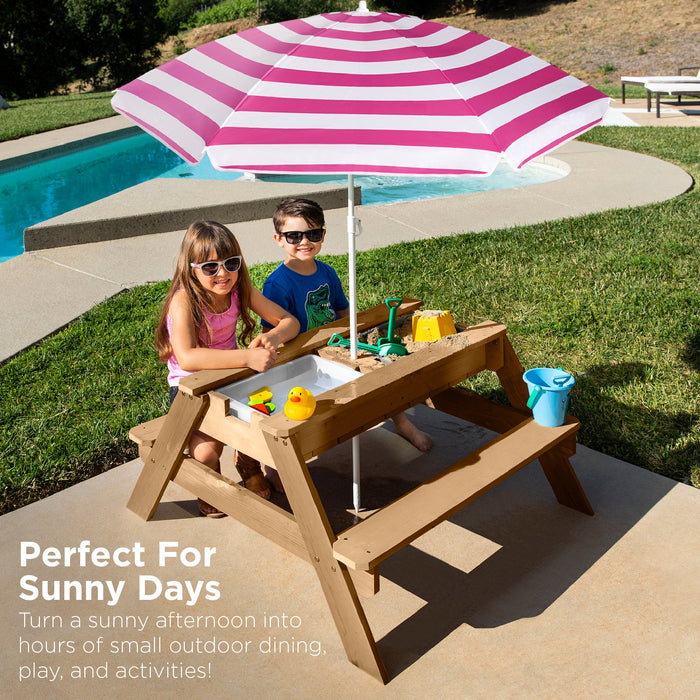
(313, 299)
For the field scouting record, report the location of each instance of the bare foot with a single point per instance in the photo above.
(253, 478)
(408, 431)
(274, 478)
(259, 485)
(208, 510)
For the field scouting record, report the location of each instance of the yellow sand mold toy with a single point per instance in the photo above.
(432, 325)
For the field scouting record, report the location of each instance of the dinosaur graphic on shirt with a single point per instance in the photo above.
(318, 307)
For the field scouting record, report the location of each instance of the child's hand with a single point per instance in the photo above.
(263, 341)
(261, 359)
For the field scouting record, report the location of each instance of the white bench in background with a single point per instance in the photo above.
(644, 79)
(658, 89)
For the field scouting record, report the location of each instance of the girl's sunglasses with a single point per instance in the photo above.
(313, 235)
(211, 268)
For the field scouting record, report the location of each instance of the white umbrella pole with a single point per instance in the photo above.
(352, 228)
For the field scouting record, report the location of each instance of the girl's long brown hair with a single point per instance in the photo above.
(203, 241)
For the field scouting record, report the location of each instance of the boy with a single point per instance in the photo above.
(310, 289)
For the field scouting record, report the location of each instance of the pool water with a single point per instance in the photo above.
(378, 189)
(47, 188)
(55, 185)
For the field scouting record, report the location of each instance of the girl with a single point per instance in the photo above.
(210, 293)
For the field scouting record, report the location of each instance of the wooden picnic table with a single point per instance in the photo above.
(348, 563)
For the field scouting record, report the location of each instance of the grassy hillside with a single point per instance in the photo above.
(595, 40)
(599, 40)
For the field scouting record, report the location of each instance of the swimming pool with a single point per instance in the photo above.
(378, 189)
(54, 185)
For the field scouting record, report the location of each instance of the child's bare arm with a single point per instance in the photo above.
(285, 326)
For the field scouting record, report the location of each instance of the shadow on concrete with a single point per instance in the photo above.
(544, 549)
(541, 548)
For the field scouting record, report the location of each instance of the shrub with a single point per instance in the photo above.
(227, 11)
(282, 10)
(177, 13)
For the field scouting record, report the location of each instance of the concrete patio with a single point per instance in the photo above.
(513, 597)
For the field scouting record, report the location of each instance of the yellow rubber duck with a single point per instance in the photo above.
(300, 404)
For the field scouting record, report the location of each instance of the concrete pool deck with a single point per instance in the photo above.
(513, 597)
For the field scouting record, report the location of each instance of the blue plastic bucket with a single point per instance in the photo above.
(549, 394)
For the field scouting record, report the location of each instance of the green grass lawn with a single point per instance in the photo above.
(613, 297)
(27, 117)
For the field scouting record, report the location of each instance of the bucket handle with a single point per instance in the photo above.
(532, 400)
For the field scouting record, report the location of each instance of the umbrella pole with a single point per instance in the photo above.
(351, 228)
(351, 266)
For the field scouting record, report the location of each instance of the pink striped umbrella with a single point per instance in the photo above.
(360, 93)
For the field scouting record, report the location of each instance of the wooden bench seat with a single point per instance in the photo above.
(364, 545)
(146, 433)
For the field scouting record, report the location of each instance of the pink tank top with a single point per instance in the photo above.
(223, 335)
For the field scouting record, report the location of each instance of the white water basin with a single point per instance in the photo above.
(316, 374)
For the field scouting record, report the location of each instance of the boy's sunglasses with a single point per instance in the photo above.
(211, 268)
(313, 235)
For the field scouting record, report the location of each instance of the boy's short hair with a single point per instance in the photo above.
(306, 209)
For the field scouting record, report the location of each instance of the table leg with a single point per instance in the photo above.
(336, 583)
(557, 468)
(164, 459)
(511, 377)
(564, 482)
